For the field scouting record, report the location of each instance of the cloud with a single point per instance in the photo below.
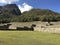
(25, 7)
(8, 1)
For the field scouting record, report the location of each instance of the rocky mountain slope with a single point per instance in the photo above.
(10, 9)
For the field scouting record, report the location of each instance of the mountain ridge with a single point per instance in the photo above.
(11, 13)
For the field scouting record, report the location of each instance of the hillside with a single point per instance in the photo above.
(42, 12)
(40, 15)
(11, 13)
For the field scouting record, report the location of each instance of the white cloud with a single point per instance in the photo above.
(8, 1)
(25, 7)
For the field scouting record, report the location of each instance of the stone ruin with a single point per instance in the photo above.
(55, 28)
(4, 27)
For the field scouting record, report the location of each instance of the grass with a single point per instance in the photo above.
(28, 38)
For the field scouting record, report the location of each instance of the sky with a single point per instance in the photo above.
(26, 5)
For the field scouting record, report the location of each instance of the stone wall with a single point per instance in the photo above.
(37, 26)
(52, 30)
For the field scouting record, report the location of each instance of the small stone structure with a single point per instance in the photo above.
(31, 28)
(4, 27)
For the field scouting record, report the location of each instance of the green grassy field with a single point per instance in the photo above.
(28, 38)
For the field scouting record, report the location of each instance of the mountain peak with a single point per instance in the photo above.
(10, 9)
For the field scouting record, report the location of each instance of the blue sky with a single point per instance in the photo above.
(41, 4)
(44, 4)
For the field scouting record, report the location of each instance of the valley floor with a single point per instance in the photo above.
(29, 38)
